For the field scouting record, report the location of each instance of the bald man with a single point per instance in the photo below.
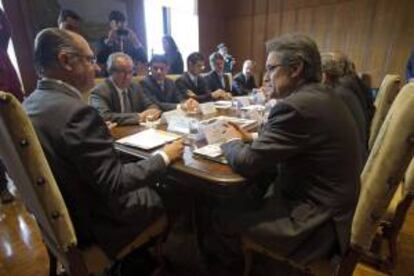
(109, 202)
(244, 82)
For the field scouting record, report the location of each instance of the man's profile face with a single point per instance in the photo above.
(159, 71)
(123, 72)
(81, 66)
(277, 76)
(197, 68)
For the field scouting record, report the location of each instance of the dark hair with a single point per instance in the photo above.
(193, 58)
(64, 14)
(295, 48)
(159, 59)
(48, 44)
(171, 42)
(213, 57)
(117, 16)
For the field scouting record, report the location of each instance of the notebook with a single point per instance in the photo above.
(148, 139)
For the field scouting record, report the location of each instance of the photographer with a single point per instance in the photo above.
(120, 38)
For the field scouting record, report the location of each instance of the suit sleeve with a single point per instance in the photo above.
(101, 104)
(89, 147)
(284, 136)
(153, 102)
(182, 89)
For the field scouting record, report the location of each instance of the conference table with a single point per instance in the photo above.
(195, 172)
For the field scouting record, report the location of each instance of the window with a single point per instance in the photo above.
(175, 17)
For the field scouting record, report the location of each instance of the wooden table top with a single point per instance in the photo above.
(203, 172)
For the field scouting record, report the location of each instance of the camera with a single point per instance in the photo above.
(122, 32)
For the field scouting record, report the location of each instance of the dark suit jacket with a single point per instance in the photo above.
(88, 169)
(105, 99)
(166, 99)
(185, 83)
(352, 102)
(309, 140)
(213, 82)
(241, 85)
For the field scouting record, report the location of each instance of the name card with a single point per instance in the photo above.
(207, 108)
(243, 100)
(179, 124)
(166, 116)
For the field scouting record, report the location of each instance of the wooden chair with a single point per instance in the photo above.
(388, 161)
(390, 226)
(27, 165)
(387, 92)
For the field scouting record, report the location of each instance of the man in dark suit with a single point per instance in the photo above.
(216, 79)
(192, 85)
(162, 90)
(109, 202)
(244, 82)
(119, 100)
(333, 69)
(307, 152)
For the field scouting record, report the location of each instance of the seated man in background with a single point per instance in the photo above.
(216, 79)
(109, 202)
(244, 82)
(192, 85)
(120, 38)
(69, 20)
(162, 90)
(306, 154)
(333, 68)
(118, 99)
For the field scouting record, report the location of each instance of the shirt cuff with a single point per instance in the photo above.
(255, 135)
(233, 139)
(164, 157)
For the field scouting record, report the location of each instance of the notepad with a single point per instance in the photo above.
(148, 139)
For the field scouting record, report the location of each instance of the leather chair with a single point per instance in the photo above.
(389, 159)
(24, 157)
(387, 92)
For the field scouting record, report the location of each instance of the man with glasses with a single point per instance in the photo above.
(109, 202)
(192, 85)
(118, 99)
(303, 167)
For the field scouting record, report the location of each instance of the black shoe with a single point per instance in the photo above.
(6, 196)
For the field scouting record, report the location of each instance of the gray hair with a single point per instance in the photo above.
(212, 59)
(111, 62)
(48, 44)
(334, 64)
(295, 48)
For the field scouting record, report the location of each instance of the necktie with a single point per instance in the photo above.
(127, 104)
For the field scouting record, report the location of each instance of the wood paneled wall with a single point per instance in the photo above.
(378, 35)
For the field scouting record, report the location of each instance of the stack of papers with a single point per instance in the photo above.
(148, 139)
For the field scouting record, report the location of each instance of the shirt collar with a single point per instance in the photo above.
(65, 84)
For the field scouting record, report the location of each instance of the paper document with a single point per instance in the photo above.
(148, 139)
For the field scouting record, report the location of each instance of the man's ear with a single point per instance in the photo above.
(64, 61)
(297, 69)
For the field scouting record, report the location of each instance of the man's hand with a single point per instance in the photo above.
(174, 150)
(228, 96)
(218, 94)
(191, 94)
(110, 125)
(152, 112)
(236, 131)
(190, 105)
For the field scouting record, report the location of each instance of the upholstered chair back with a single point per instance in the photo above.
(388, 161)
(388, 91)
(26, 163)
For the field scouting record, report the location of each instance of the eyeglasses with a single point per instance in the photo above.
(126, 72)
(270, 68)
(89, 58)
